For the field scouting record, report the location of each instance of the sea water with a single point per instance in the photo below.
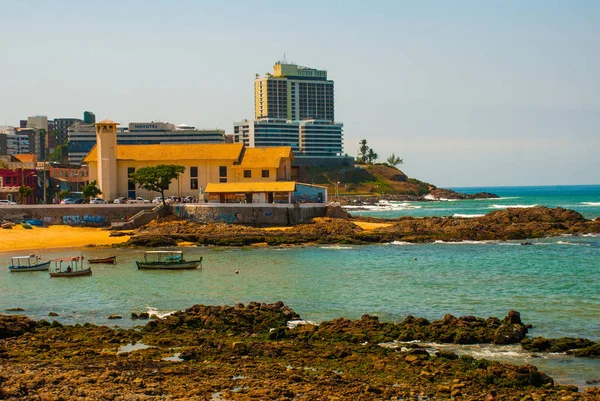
(584, 199)
(554, 283)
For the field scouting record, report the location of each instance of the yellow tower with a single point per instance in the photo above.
(106, 143)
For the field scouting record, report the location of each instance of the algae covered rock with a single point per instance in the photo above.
(16, 325)
(253, 318)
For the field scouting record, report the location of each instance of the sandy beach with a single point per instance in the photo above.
(58, 236)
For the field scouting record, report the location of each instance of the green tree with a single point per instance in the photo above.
(59, 153)
(157, 178)
(91, 190)
(394, 160)
(64, 194)
(363, 150)
(372, 156)
(25, 192)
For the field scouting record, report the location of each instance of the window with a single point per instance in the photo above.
(130, 183)
(247, 174)
(265, 173)
(222, 173)
(193, 177)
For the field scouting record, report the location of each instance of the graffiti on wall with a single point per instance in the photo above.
(79, 220)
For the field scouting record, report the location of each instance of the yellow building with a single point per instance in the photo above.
(111, 165)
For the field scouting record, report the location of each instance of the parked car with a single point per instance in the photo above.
(79, 201)
(7, 202)
(157, 199)
(98, 201)
(67, 201)
(139, 199)
(122, 199)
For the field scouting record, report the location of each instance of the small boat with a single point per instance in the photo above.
(108, 260)
(35, 222)
(169, 260)
(26, 225)
(7, 224)
(29, 263)
(69, 267)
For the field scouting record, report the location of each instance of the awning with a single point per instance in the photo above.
(251, 187)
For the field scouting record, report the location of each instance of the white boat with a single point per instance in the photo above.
(69, 267)
(168, 260)
(29, 263)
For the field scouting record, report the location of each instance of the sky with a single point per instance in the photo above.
(467, 93)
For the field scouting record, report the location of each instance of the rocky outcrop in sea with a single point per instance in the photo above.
(253, 351)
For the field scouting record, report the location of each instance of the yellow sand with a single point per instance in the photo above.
(371, 226)
(362, 224)
(20, 239)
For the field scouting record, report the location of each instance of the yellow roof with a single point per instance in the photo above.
(26, 157)
(265, 157)
(267, 186)
(165, 152)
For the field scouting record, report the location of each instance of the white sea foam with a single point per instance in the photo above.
(384, 206)
(590, 203)
(336, 247)
(155, 312)
(572, 243)
(467, 216)
(399, 243)
(512, 206)
(466, 242)
(294, 323)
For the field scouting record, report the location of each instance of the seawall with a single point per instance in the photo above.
(104, 215)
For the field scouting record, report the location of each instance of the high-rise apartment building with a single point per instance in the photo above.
(294, 93)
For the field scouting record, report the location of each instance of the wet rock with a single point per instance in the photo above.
(563, 344)
(15, 325)
(15, 309)
(115, 317)
(53, 314)
(593, 350)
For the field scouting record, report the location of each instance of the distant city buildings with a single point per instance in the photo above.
(294, 107)
(82, 137)
(294, 93)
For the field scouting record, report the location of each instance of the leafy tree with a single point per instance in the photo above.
(372, 156)
(157, 178)
(25, 192)
(59, 153)
(363, 150)
(394, 160)
(91, 190)
(64, 194)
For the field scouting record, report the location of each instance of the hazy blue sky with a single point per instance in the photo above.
(467, 92)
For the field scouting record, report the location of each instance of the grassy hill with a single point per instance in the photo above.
(377, 179)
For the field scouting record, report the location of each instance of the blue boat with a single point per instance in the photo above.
(29, 263)
(35, 222)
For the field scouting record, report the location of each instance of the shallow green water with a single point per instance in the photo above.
(554, 283)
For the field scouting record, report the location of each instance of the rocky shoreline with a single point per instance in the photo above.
(501, 225)
(252, 351)
(435, 195)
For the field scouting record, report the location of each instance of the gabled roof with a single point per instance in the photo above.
(166, 152)
(245, 187)
(265, 157)
(26, 158)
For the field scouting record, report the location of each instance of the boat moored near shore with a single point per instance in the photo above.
(28, 263)
(69, 267)
(167, 260)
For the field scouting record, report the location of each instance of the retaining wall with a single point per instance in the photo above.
(104, 215)
(73, 215)
(251, 214)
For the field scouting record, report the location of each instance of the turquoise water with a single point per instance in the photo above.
(554, 283)
(583, 198)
